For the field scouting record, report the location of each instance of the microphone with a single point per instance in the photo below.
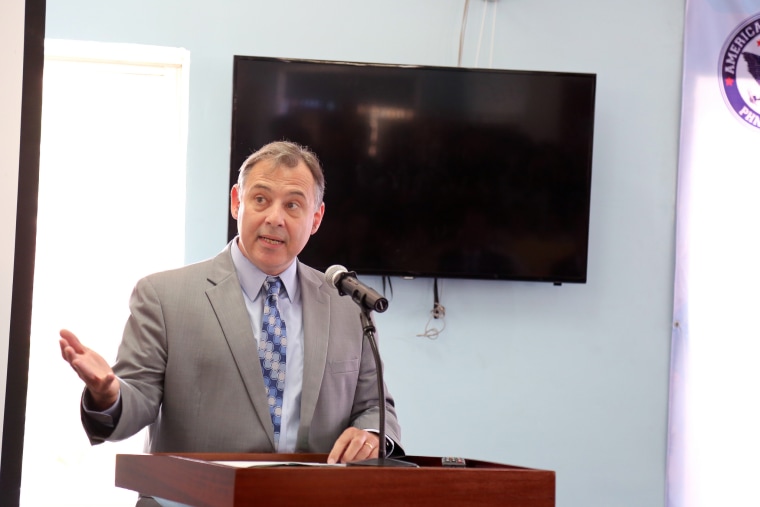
(345, 281)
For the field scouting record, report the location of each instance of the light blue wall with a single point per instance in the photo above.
(572, 378)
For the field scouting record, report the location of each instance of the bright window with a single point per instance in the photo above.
(111, 209)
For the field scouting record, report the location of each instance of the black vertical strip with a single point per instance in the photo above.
(23, 266)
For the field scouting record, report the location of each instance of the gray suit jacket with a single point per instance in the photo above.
(189, 367)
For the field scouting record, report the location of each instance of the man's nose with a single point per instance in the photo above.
(275, 214)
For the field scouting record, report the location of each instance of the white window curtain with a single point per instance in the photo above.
(714, 426)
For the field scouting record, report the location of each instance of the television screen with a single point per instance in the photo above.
(442, 172)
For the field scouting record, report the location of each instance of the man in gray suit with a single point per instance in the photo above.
(189, 365)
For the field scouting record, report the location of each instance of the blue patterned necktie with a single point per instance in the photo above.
(272, 347)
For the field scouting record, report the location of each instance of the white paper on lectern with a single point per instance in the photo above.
(253, 464)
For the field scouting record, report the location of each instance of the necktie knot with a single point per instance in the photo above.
(272, 285)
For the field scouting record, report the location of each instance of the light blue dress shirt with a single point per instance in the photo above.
(291, 309)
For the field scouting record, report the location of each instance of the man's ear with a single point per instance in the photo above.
(234, 201)
(318, 215)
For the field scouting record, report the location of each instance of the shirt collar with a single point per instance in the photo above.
(252, 278)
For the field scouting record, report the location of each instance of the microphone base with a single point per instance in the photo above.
(383, 462)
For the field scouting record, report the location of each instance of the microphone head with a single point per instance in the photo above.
(332, 275)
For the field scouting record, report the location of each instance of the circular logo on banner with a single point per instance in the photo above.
(739, 69)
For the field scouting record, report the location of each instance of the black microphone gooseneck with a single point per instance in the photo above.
(337, 277)
(347, 284)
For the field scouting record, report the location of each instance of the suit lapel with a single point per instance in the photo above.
(225, 296)
(316, 325)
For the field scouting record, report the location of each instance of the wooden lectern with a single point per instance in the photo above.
(201, 480)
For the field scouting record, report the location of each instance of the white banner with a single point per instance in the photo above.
(714, 427)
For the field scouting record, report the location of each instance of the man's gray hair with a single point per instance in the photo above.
(288, 154)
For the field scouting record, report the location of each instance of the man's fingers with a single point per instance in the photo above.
(72, 341)
(339, 448)
(370, 449)
(352, 445)
(64, 345)
(362, 447)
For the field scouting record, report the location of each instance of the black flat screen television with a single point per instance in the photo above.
(442, 172)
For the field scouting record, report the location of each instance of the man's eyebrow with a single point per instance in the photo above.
(299, 193)
(264, 186)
